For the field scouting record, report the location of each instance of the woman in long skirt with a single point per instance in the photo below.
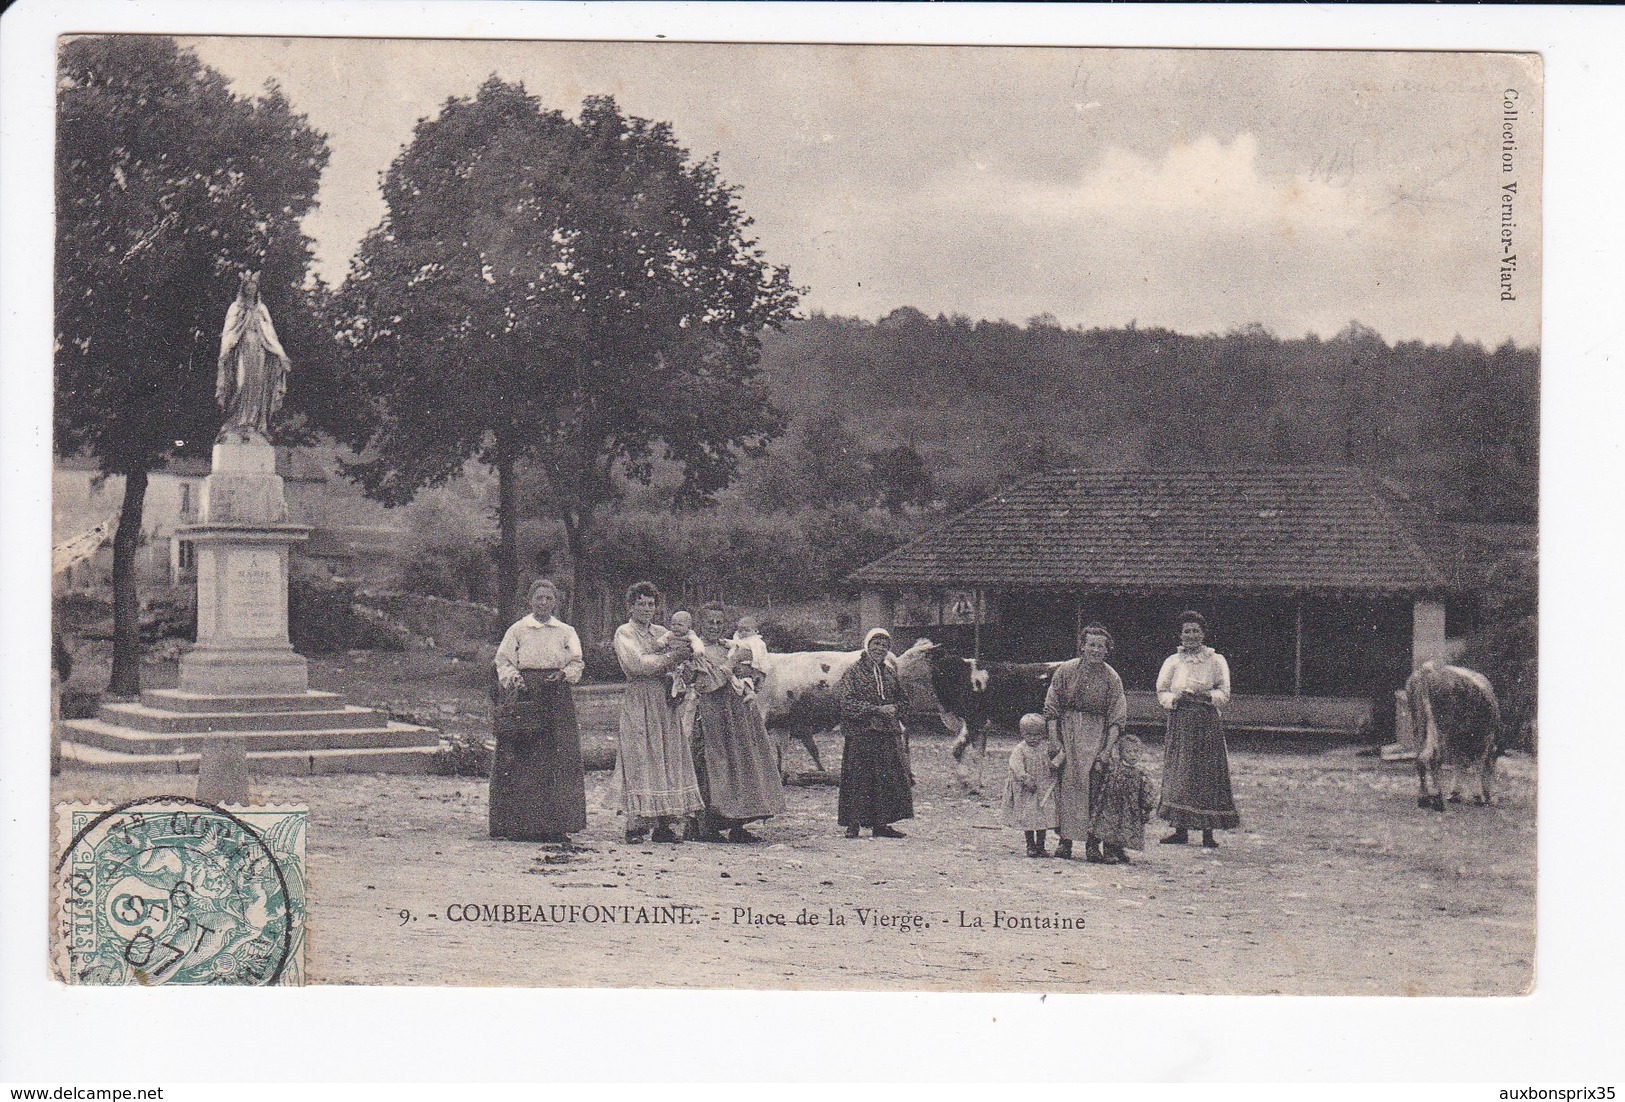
(654, 781)
(1087, 704)
(538, 791)
(874, 769)
(733, 756)
(1193, 685)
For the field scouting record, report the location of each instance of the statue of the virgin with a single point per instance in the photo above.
(253, 371)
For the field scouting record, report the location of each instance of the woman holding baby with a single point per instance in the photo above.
(733, 757)
(654, 782)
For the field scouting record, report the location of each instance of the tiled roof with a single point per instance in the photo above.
(1233, 530)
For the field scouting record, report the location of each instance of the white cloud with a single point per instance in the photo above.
(1201, 185)
(1199, 237)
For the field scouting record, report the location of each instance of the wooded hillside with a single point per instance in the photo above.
(985, 402)
(892, 426)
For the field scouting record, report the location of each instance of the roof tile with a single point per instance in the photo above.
(1230, 530)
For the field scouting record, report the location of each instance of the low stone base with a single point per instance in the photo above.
(205, 671)
(177, 700)
(178, 724)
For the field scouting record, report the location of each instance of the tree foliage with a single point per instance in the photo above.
(575, 297)
(168, 185)
(1505, 645)
(987, 402)
(739, 553)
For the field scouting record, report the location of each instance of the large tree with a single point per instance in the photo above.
(167, 186)
(576, 298)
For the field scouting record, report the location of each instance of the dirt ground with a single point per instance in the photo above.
(1335, 884)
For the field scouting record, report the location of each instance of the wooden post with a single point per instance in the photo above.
(1427, 632)
(1297, 646)
(976, 625)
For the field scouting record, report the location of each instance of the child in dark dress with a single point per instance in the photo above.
(1126, 801)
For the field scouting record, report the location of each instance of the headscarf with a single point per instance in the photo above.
(879, 667)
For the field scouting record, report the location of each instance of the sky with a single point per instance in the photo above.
(1197, 190)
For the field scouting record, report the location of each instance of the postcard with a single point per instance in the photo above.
(797, 516)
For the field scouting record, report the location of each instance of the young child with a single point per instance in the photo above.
(701, 672)
(1029, 791)
(747, 650)
(682, 627)
(1126, 802)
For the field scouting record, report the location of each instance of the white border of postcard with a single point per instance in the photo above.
(1565, 1032)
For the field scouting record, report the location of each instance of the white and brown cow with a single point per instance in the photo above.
(797, 695)
(1457, 723)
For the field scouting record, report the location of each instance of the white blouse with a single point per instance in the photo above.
(534, 645)
(641, 650)
(1202, 669)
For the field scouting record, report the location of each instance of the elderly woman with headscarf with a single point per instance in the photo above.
(1193, 685)
(874, 766)
(654, 781)
(1087, 705)
(538, 791)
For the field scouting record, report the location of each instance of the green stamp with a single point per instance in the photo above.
(171, 891)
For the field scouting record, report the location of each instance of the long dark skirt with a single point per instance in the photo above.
(537, 784)
(1196, 771)
(874, 781)
(734, 760)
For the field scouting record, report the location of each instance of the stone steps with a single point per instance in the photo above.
(122, 738)
(398, 759)
(142, 717)
(174, 700)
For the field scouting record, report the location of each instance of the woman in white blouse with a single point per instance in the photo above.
(1193, 685)
(538, 790)
(654, 783)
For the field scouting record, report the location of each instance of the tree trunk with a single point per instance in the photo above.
(126, 680)
(577, 531)
(508, 541)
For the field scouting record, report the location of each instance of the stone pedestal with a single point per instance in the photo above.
(244, 699)
(243, 544)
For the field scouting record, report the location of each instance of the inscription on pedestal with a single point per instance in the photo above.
(253, 593)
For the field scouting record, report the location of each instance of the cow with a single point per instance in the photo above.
(797, 695)
(1457, 721)
(973, 695)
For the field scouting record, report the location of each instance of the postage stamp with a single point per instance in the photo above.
(172, 891)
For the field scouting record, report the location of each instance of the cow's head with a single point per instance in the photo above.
(952, 679)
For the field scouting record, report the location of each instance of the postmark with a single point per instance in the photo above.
(173, 891)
